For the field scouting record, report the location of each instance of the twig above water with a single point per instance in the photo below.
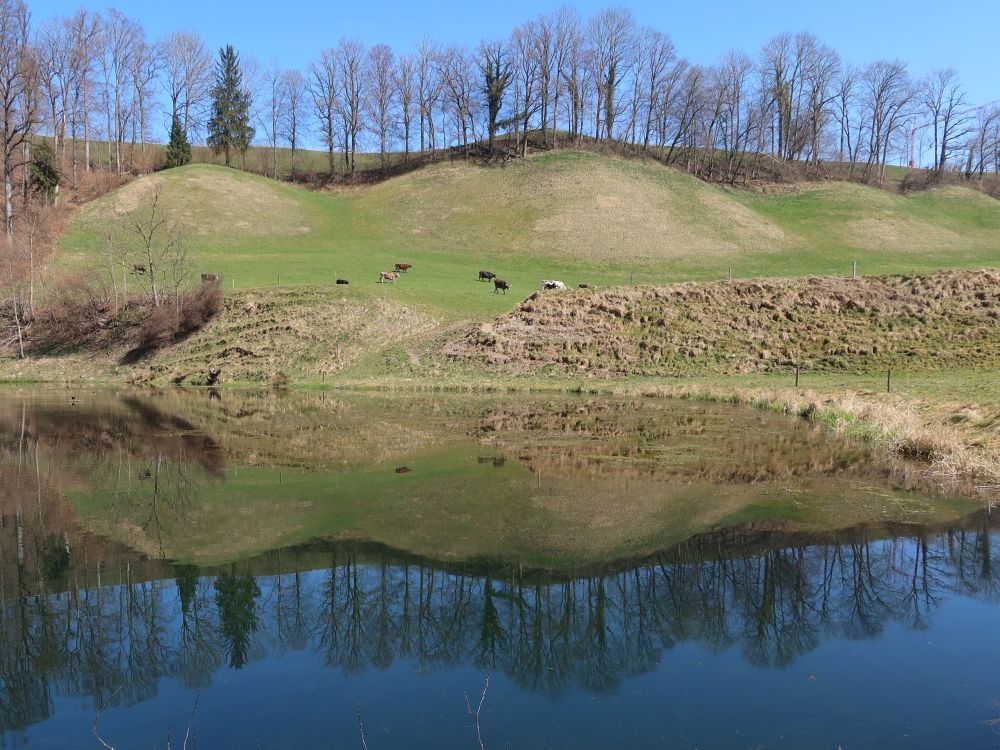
(361, 728)
(106, 745)
(479, 709)
(194, 710)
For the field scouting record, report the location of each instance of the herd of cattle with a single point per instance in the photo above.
(500, 284)
(389, 277)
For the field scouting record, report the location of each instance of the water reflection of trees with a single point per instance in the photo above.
(550, 634)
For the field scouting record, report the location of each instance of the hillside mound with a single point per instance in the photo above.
(568, 215)
(214, 206)
(571, 205)
(273, 334)
(825, 323)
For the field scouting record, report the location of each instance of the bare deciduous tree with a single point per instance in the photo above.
(349, 60)
(323, 92)
(293, 117)
(943, 99)
(495, 69)
(187, 77)
(405, 82)
(17, 97)
(611, 33)
(380, 97)
(150, 235)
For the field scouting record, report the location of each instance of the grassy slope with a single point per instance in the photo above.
(573, 215)
(568, 215)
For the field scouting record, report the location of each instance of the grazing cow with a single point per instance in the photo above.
(552, 284)
(585, 286)
(403, 470)
(343, 281)
(211, 278)
(403, 267)
(214, 373)
(138, 269)
(486, 275)
(499, 284)
(387, 276)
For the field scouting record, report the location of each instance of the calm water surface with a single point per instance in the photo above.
(596, 573)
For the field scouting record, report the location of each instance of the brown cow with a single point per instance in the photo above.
(386, 277)
(499, 284)
(138, 269)
(211, 278)
(403, 267)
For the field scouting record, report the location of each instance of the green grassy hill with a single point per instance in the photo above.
(570, 215)
(574, 216)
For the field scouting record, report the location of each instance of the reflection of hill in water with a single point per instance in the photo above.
(661, 439)
(550, 482)
(362, 608)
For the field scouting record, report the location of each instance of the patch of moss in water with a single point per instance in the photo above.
(545, 482)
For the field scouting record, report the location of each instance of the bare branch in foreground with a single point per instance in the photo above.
(194, 710)
(479, 709)
(361, 728)
(98, 716)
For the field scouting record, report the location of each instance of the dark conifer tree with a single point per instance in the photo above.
(44, 172)
(179, 149)
(229, 127)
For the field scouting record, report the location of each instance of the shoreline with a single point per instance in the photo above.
(892, 425)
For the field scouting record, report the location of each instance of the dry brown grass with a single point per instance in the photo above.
(288, 332)
(738, 327)
(897, 427)
(208, 200)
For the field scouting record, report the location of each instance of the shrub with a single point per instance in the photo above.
(177, 319)
(76, 315)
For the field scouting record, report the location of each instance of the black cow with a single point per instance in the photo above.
(343, 282)
(499, 284)
(486, 275)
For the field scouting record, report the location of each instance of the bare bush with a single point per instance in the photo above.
(74, 315)
(187, 313)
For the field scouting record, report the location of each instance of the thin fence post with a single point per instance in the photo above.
(797, 376)
(854, 269)
(888, 381)
(730, 273)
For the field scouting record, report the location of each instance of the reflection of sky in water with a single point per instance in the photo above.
(882, 644)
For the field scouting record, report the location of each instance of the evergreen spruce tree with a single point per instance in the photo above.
(229, 127)
(44, 172)
(178, 150)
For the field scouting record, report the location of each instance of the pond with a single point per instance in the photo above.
(332, 570)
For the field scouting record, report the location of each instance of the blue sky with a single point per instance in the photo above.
(928, 35)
